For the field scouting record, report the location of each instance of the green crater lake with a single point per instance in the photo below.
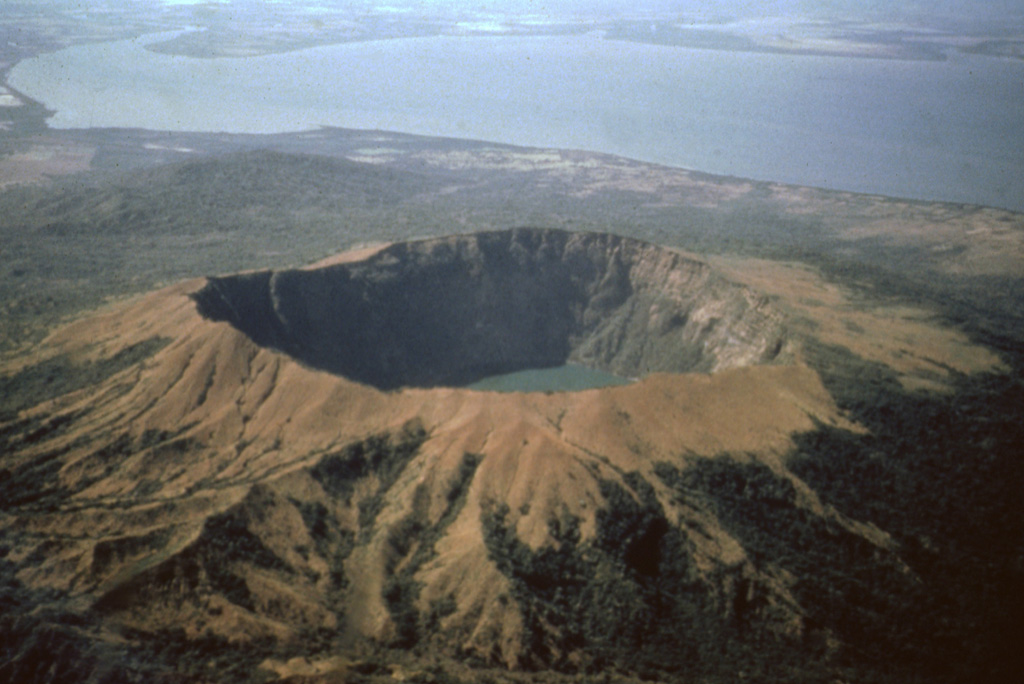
(568, 378)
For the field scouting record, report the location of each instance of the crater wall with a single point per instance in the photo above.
(449, 311)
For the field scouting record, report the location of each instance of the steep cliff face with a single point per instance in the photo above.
(453, 310)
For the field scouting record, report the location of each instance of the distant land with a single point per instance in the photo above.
(790, 99)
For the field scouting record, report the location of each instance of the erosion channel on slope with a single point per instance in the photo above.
(451, 311)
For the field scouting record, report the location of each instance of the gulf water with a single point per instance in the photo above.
(938, 130)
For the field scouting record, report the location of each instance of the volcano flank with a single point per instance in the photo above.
(284, 467)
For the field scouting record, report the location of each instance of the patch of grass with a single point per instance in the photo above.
(415, 534)
(206, 658)
(942, 473)
(33, 484)
(59, 376)
(846, 584)
(381, 456)
(632, 600)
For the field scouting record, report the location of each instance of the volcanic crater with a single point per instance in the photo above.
(226, 485)
(450, 311)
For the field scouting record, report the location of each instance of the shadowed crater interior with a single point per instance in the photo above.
(450, 311)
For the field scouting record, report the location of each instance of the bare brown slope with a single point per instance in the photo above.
(225, 488)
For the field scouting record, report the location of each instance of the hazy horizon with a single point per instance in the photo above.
(984, 10)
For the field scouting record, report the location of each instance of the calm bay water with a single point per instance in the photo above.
(950, 130)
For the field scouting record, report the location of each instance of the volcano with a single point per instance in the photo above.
(285, 467)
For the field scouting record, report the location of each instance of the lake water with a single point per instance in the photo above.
(568, 378)
(951, 130)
